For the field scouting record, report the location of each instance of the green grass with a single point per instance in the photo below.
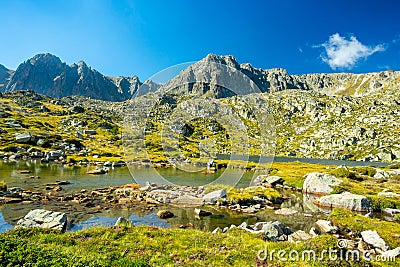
(149, 246)
(389, 231)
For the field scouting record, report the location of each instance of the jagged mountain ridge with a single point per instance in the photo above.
(274, 80)
(46, 74)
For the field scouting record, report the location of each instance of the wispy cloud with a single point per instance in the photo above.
(342, 53)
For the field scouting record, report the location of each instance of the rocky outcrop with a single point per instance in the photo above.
(319, 183)
(44, 219)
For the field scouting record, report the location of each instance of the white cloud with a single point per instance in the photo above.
(345, 53)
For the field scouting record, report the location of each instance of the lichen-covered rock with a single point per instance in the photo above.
(319, 183)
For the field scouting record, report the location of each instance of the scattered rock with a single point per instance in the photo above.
(44, 219)
(269, 180)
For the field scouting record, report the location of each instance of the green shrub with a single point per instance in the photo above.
(379, 203)
(245, 195)
(370, 171)
(344, 173)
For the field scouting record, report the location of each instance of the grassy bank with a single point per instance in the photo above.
(147, 246)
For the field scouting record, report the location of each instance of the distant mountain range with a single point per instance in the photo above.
(47, 74)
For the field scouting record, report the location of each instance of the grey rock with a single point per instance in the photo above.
(390, 212)
(320, 183)
(44, 219)
(25, 138)
(372, 238)
(381, 174)
(212, 197)
(345, 200)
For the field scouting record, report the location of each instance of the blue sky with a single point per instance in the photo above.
(144, 37)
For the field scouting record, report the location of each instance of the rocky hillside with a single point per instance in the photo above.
(46, 74)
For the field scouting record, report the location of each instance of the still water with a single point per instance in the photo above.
(79, 179)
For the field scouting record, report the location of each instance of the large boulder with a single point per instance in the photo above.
(319, 183)
(345, 200)
(44, 219)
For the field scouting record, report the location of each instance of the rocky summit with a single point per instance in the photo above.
(47, 74)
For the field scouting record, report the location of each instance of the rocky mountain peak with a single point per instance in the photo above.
(47, 74)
